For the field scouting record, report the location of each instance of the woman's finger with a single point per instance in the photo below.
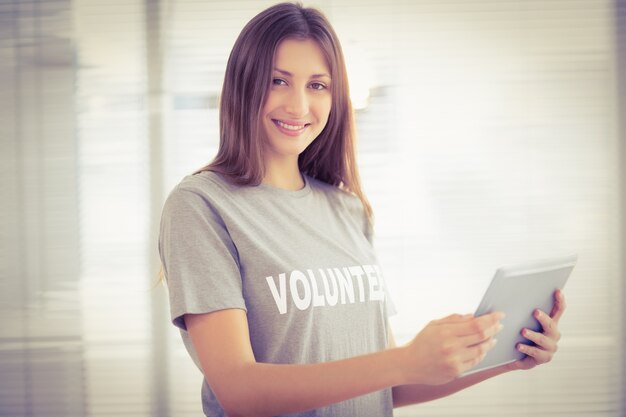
(481, 336)
(477, 352)
(477, 326)
(540, 340)
(559, 306)
(549, 325)
(454, 318)
(540, 355)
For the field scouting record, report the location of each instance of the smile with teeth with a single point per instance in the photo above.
(290, 127)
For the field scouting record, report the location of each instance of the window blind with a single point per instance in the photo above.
(41, 361)
(112, 130)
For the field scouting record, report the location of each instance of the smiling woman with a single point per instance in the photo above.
(268, 251)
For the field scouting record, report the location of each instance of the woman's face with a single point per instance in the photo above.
(299, 100)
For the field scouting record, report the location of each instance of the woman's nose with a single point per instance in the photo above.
(297, 103)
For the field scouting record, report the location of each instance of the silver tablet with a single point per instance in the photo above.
(517, 291)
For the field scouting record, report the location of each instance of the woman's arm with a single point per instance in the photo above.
(542, 353)
(439, 353)
(245, 387)
(419, 393)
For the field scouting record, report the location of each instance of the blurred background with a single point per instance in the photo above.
(489, 133)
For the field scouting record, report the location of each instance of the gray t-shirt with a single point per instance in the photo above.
(300, 263)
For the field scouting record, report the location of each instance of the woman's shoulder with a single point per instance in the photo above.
(198, 189)
(337, 194)
(205, 181)
(345, 201)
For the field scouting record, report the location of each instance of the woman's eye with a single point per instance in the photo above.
(278, 81)
(318, 86)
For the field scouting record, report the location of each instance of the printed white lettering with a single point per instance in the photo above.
(318, 299)
(375, 293)
(280, 298)
(331, 297)
(345, 285)
(381, 281)
(357, 271)
(302, 303)
(330, 286)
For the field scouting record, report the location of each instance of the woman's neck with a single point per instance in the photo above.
(283, 174)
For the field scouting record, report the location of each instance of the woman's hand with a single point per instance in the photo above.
(546, 341)
(446, 348)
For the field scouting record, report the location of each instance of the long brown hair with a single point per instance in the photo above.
(331, 157)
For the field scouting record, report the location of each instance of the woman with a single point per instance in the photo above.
(267, 251)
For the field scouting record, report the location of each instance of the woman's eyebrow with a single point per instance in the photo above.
(288, 74)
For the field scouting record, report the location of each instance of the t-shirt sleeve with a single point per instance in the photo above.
(199, 258)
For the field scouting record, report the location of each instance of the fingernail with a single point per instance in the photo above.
(493, 342)
(500, 327)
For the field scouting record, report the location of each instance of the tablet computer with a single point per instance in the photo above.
(517, 291)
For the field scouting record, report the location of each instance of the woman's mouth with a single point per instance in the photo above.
(290, 128)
